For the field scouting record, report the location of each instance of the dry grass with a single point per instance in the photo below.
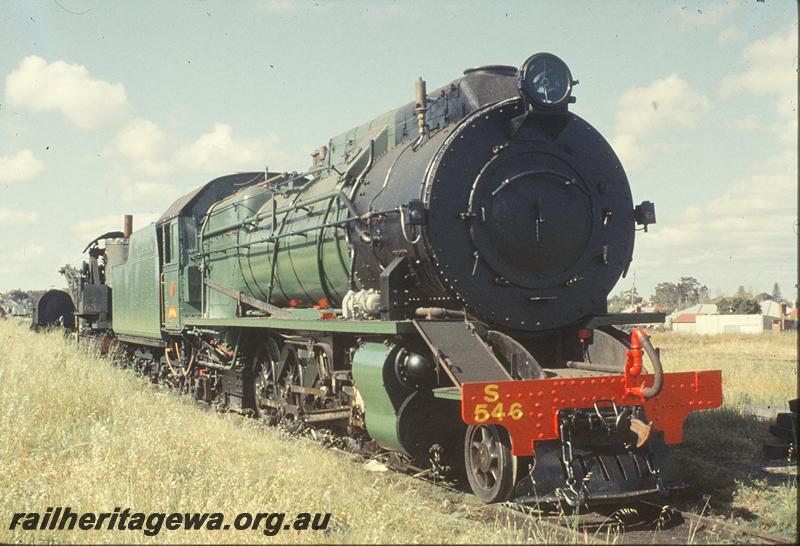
(757, 369)
(79, 432)
(722, 454)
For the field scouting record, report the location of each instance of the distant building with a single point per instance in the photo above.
(690, 312)
(684, 323)
(733, 324)
(705, 319)
(16, 309)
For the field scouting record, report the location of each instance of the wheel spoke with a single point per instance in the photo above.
(483, 479)
(475, 457)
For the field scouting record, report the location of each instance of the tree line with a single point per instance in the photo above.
(688, 291)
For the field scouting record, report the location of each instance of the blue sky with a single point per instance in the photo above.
(109, 108)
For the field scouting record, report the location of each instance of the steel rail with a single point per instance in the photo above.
(732, 530)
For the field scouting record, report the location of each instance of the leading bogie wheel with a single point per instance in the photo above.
(490, 466)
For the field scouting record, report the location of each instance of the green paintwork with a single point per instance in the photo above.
(447, 393)
(227, 267)
(170, 270)
(380, 412)
(298, 274)
(190, 278)
(136, 287)
(249, 241)
(348, 145)
(362, 327)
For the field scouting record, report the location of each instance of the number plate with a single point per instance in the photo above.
(529, 409)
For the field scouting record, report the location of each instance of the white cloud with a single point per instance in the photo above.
(148, 190)
(751, 122)
(744, 235)
(28, 254)
(10, 217)
(20, 258)
(67, 88)
(729, 36)
(19, 167)
(220, 151)
(25, 265)
(770, 67)
(704, 15)
(770, 71)
(150, 151)
(643, 111)
(146, 146)
(279, 7)
(667, 101)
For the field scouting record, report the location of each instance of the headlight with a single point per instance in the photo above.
(545, 80)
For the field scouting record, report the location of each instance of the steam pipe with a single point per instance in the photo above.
(438, 312)
(658, 371)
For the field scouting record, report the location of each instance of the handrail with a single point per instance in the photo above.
(288, 208)
(273, 238)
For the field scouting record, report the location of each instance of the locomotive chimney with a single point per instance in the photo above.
(421, 106)
(127, 225)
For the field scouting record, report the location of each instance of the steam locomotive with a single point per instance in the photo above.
(435, 282)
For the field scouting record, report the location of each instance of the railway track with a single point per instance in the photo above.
(639, 522)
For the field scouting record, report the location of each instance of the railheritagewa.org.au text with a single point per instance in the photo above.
(152, 523)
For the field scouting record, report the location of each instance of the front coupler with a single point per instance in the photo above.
(603, 454)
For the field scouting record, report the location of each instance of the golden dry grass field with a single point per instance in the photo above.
(80, 432)
(722, 455)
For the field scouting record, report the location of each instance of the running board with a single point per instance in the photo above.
(461, 352)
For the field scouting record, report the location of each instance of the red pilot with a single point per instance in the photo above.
(585, 438)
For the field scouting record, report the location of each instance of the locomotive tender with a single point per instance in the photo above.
(437, 281)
